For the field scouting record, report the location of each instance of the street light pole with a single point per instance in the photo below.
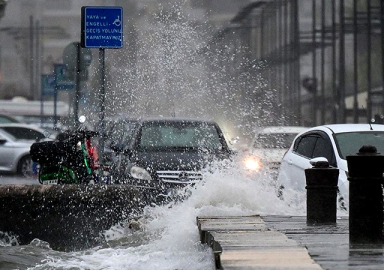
(342, 63)
(314, 75)
(31, 58)
(382, 49)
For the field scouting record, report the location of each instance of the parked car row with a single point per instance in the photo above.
(162, 153)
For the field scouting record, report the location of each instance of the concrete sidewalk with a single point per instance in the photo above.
(283, 242)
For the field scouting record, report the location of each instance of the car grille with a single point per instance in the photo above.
(179, 177)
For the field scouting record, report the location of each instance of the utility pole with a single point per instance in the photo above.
(31, 58)
(3, 4)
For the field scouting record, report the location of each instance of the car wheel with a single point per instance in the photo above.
(24, 167)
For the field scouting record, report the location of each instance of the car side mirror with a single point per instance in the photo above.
(2, 141)
(319, 162)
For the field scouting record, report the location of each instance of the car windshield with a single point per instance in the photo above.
(180, 135)
(274, 140)
(350, 143)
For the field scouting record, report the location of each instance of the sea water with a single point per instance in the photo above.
(164, 237)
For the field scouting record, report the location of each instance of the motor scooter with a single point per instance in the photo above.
(70, 159)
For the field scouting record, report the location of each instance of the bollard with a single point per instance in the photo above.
(321, 188)
(365, 197)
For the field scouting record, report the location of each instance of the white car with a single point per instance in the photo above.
(14, 155)
(15, 142)
(27, 132)
(269, 146)
(333, 142)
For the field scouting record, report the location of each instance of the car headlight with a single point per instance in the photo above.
(252, 164)
(140, 173)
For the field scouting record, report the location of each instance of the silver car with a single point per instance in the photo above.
(27, 131)
(14, 155)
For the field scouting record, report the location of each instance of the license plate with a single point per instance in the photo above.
(50, 182)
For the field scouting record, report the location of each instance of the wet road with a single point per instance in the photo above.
(7, 179)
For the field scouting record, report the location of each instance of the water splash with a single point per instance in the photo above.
(166, 237)
(8, 239)
(173, 69)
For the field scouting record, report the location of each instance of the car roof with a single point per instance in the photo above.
(21, 125)
(283, 129)
(121, 118)
(174, 120)
(341, 128)
(6, 135)
(9, 118)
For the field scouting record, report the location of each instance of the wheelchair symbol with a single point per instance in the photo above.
(117, 21)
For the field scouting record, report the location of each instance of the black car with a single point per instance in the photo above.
(166, 153)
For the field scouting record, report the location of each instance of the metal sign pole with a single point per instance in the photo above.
(55, 107)
(41, 101)
(102, 103)
(77, 95)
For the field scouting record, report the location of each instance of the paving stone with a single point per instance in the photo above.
(284, 242)
(246, 243)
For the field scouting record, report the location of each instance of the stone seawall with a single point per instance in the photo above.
(68, 217)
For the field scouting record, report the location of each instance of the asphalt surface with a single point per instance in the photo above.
(7, 179)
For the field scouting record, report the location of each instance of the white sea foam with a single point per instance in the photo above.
(167, 237)
(8, 239)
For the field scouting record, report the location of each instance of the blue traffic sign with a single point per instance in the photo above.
(102, 27)
(61, 78)
(48, 84)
